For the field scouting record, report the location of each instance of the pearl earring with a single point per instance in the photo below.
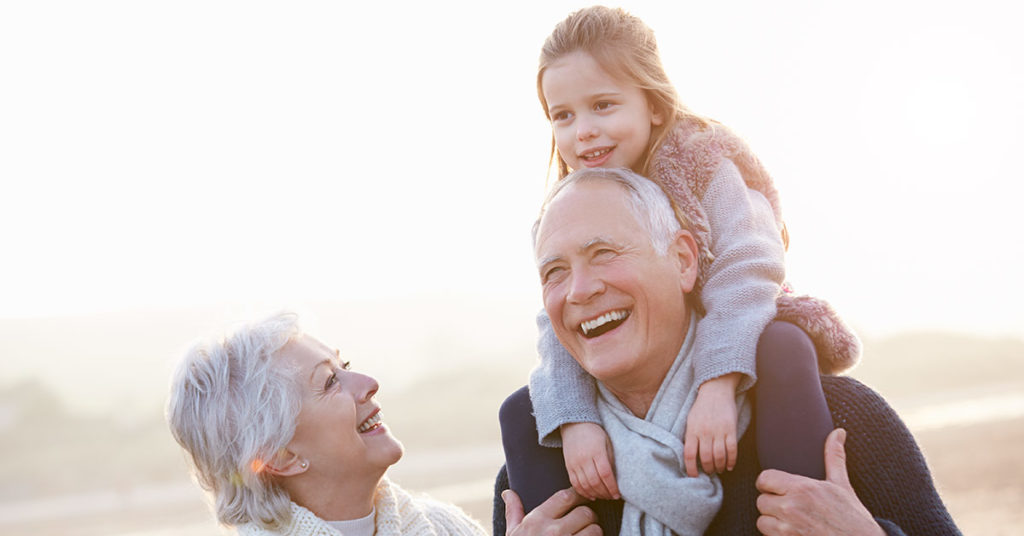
(304, 464)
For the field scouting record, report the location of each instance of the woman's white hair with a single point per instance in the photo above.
(649, 203)
(232, 409)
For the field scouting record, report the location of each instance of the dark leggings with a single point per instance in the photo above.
(534, 472)
(792, 420)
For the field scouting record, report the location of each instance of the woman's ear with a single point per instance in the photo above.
(685, 248)
(286, 463)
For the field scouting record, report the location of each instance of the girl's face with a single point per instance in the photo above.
(597, 120)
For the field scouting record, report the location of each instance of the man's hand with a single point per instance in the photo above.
(588, 460)
(792, 504)
(556, 515)
(711, 426)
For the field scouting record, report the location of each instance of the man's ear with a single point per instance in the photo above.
(685, 250)
(286, 463)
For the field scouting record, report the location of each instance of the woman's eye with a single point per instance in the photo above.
(346, 365)
(331, 381)
(604, 254)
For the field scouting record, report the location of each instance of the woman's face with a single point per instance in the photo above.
(339, 430)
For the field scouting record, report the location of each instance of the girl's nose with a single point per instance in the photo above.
(585, 130)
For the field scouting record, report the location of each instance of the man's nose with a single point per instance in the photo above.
(584, 285)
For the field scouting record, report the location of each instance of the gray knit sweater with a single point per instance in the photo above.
(738, 296)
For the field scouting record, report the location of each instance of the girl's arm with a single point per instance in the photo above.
(743, 280)
(561, 391)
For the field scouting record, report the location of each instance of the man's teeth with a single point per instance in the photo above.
(370, 424)
(596, 154)
(591, 325)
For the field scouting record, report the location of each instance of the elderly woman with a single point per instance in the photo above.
(289, 441)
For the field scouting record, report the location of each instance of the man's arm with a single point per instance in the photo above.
(793, 504)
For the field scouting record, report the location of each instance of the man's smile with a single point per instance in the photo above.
(604, 323)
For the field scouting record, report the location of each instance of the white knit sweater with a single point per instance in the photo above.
(398, 514)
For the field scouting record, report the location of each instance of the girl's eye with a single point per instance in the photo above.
(602, 105)
(560, 116)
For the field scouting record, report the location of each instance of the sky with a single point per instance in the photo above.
(161, 155)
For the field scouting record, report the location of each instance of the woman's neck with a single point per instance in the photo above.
(334, 499)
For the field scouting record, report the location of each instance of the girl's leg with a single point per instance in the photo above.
(793, 418)
(535, 473)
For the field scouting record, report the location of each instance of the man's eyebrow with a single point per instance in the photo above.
(596, 241)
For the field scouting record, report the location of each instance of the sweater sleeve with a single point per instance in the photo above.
(743, 280)
(560, 390)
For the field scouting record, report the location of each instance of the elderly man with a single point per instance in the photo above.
(602, 245)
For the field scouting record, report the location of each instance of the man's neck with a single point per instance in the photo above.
(637, 392)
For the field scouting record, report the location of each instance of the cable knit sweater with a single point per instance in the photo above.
(885, 465)
(729, 199)
(398, 514)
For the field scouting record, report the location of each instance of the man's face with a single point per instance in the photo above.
(615, 304)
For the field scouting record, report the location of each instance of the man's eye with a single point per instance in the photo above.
(553, 273)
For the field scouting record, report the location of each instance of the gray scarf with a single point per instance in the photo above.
(649, 464)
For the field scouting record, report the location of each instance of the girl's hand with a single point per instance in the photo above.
(588, 460)
(711, 426)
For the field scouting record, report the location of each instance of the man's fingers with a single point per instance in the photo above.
(690, 455)
(774, 481)
(513, 510)
(558, 504)
(577, 520)
(835, 458)
(768, 525)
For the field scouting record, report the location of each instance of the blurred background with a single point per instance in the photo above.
(170, 169)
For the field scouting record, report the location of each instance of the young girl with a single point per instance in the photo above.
(602, 86)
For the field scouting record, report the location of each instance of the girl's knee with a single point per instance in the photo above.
(784, 346)
(516, 413)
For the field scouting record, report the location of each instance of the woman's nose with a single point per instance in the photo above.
(367, 386)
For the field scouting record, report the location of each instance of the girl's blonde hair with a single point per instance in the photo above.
(624, 47)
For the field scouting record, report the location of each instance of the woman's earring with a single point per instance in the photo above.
(304, 464)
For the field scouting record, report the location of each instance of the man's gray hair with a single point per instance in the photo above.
(232, 408)
(649, 203)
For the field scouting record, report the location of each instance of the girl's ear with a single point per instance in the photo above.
(657, 118)
(286, 463)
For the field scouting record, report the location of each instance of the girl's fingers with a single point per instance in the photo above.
(720, 455)
(731, 448)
